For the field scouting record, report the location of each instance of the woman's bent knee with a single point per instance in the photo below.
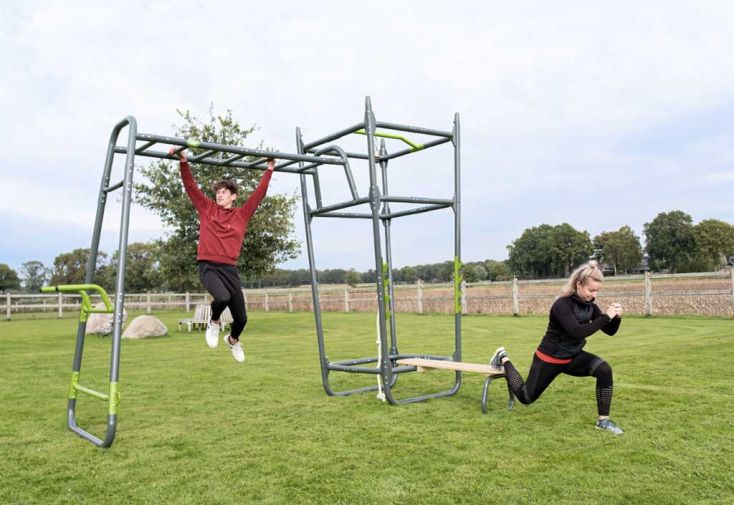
(603, 372)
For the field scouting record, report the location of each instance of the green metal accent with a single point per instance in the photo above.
(82, 289)
(414, 145)
(193, 143)
(458, 278)
(114, 398)
(386, 286)
(91, 392)
(73, 385)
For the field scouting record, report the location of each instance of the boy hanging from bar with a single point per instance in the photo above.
(222, 228)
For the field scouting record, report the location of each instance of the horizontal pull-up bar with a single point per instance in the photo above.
(211, 148)
(413, 129)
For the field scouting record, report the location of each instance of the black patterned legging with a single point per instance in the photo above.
(541, 374)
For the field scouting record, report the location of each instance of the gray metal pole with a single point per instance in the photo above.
(314, 278)
(385, 363)
(127, 189)
(388, 249)
(457, 233)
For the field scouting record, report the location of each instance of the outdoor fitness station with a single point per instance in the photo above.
(306, 163)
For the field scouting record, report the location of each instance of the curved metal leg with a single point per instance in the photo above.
(485, 389)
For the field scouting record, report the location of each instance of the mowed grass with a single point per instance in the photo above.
(197, 428)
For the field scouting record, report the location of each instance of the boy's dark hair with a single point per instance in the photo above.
(226, 184)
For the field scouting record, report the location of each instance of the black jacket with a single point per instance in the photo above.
(571, 321)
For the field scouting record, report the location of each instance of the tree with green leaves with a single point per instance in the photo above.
(9, 280)
(620, 249)
(474, 272)
(71, 268)
(35, 275)
(497, 270)
(714, 243)
(569, 248)
(268, 240)
(670, 241)
(142, 267)
(352, 278)
(549, 251)
(409, 274)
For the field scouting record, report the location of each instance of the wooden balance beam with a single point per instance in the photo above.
(425, 365)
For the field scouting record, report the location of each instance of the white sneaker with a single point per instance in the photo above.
(237, 351)
(212, 334)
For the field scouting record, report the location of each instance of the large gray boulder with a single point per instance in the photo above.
(145, 327)
(101, 324)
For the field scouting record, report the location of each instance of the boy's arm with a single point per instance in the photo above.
(257, 196)
(196, 196)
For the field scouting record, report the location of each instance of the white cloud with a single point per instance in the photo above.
(632, 98)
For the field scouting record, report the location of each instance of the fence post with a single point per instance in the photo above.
(290, 300)
(147, 298)
(515, 297)
(267, 303)
(648, 294)
(731, 270)
(61, 305)
(420, 296)
(463, 297)
(188, 301)
(346, 299)
(7, 306)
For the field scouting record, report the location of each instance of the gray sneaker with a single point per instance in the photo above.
(608, 424)
(496, 361)
(237, 351)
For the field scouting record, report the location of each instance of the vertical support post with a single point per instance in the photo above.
(387, 223)
(7, 306)
(290, 300)
(420, 296)
(457, 233)
(188, 301)
(60, 313)
(307, 217)
(346, 299)
(375, 200)
(515, 297)
(267, 303)
(147, 301)
(648, 294)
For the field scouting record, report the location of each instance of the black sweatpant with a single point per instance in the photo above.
(223, 283)
(542, 373)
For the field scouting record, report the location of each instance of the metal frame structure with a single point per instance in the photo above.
(310, 157)
(379, 201)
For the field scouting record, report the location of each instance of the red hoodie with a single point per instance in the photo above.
(221, 231)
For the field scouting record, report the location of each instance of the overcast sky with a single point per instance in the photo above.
(596, 114)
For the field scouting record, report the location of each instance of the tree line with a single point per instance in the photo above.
(673, 244)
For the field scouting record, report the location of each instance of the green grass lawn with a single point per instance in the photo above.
(197, 428)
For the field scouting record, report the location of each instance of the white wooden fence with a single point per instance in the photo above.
(709, 294)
